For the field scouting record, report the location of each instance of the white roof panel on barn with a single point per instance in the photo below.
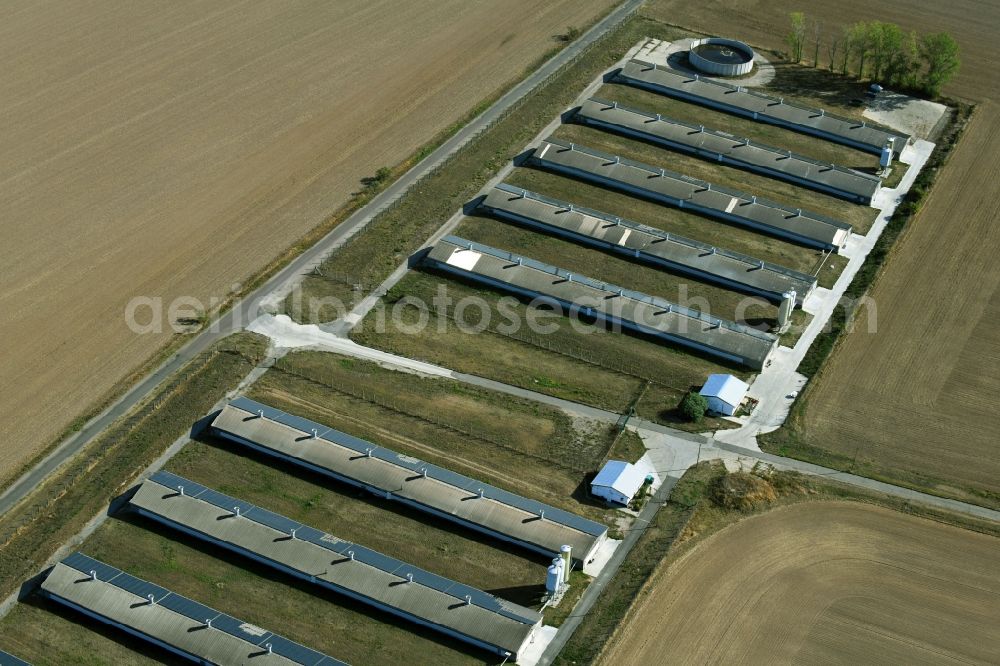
(727, 388)
(624, 477)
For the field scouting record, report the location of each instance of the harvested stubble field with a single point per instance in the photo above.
(517, 444)
(676, 221)
(915, 401)
(176, 149)
(564, 357)
(911, 392)
(822, 582)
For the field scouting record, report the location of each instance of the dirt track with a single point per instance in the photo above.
(822, 583)
(174, 149)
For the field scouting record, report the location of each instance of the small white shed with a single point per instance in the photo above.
(724, 393)
(618, 482)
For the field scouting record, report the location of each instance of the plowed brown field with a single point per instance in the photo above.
(822, 583)
(919, 396)
(175, 148)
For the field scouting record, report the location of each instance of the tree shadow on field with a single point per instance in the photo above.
(818, 86)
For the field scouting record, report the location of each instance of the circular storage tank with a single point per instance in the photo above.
(721, 57)
(553, 578)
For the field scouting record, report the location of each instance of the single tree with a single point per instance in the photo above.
(877, 48)
(797, 36)
(693, 406)
(846, 48)
(902, 64)
(833, 50)
(571, 34)
(817, 34)
(939, 53)
(860, 45)
(887, 45)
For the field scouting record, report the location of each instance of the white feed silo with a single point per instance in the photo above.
(566, 553)
(786, 308)
(552, 579)
(886, 159)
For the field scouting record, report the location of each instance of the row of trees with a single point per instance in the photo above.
(880, 51)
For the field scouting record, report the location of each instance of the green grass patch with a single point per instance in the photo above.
(578, 583)
(660, 405)
(572, 359)
(628, 447)
(516, 444)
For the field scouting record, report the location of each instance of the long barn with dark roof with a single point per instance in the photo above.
(349, 569)
(725, 148)
(581, 295)
(646, 244)
(172, 622)
(763, 108)
(422, 485)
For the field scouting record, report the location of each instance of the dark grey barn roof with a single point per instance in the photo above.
(123, 599)
(7, 659)
(648, 243)
(425, 485)
(727, 148)
(364, 572)
(683, 191)
(728, 339)
(765, 108)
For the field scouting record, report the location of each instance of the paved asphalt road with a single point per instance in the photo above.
(236, 319)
